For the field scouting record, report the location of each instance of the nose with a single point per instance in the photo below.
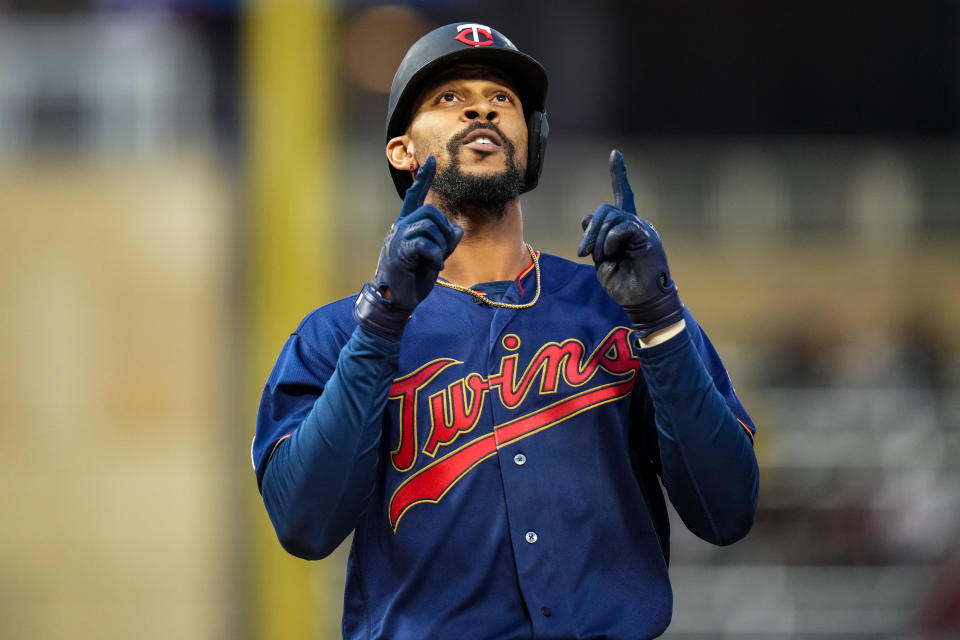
(481, 111)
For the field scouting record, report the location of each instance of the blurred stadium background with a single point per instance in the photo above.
(180, 181)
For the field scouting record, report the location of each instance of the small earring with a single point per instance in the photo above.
(412, 166)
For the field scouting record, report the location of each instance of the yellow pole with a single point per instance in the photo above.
(289, 123)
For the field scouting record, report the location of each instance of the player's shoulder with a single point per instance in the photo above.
(560, 272)
(578, 279)
(333, 320)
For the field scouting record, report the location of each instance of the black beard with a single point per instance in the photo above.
(459, 191)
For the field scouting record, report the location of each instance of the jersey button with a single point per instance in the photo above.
(545, 611)
(520, 459)
(531, 537)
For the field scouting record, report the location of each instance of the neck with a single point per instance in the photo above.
(492, 247)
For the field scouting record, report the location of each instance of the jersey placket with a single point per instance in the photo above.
(526, 482)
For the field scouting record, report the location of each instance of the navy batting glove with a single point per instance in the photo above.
(629, 257)
(411, 258)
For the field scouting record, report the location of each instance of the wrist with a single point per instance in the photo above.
(662, 335)
(655, 314)
(378, 315)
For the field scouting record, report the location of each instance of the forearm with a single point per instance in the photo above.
(319, 479)
(708, 464)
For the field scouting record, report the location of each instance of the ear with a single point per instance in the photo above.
(401, 155)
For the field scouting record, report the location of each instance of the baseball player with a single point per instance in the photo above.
(493, 423)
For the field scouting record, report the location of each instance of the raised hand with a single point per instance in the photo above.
(629, 257)
(411, 258)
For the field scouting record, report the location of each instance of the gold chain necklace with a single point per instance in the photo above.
(482, 297)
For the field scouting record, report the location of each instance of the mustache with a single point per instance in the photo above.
(458, 139)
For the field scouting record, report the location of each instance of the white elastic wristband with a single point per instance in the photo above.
(662, 335)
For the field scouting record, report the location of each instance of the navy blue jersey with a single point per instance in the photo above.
(512, 494)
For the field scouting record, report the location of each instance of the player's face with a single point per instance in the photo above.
(473, 120)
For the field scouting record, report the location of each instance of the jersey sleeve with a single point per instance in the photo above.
(718, 373)
(704, 436)
(318, 429)
(298, 378)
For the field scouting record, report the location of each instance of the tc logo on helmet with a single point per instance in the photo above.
(471, 34)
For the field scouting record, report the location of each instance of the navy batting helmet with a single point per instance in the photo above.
(469, 43)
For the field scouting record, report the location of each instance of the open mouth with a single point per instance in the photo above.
(483, 140)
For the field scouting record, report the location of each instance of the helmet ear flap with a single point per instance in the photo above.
(537, 132)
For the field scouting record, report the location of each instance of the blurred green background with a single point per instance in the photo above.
(181, 181)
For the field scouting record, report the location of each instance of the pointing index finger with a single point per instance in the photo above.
(417, 192)
(622, 193)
